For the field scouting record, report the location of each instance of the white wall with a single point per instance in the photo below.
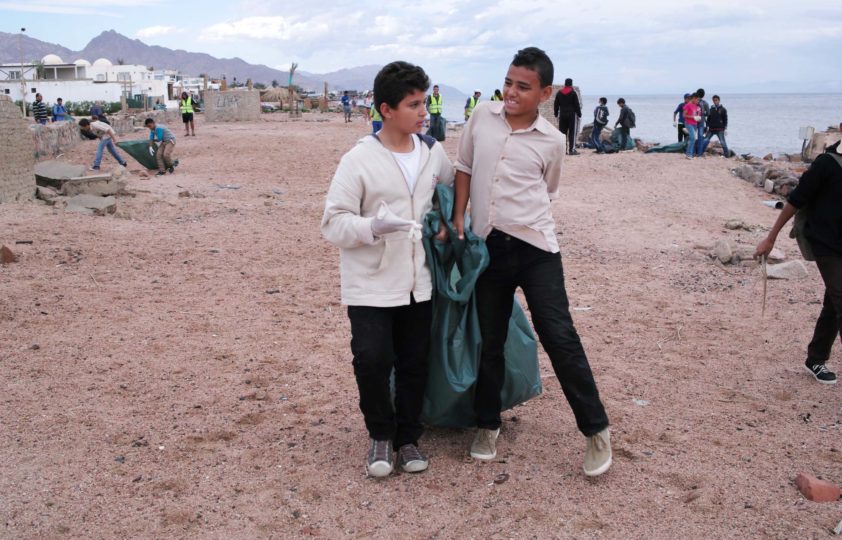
(80, 90)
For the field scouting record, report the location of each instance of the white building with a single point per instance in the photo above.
(83, 81)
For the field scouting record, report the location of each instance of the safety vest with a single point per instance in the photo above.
(495, 97)
(472, 102)
(187, 105)
(435, 105)
(375, 114)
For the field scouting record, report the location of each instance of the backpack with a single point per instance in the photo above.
(631, 118)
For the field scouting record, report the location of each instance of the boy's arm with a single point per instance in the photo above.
(724, 118)
(766, 245)
(552, 172)
(462, 182)
(342, 225)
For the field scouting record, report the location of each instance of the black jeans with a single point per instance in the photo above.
(624, 137)
(829, 324)
(383, 339)
(681, 135)
(567, 125)
(515, 263)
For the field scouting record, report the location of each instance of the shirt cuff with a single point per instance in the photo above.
(459, 166)
(364, 232)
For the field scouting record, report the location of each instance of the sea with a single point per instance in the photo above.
(758, 124)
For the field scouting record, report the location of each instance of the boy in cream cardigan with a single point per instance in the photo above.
(381, 190)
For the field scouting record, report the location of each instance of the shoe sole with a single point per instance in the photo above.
(379, 469)
(415, 466)
(484, 457)
(601, 469)
(810, 371)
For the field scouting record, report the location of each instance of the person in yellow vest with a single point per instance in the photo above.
(376, 119)
(498, 96)
(471, 103)
(434, 107)
(187, 106)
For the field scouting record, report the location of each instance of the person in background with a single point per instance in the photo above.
(498, 96)
(346, 106)
(107, 137)
(624, 124)
(59, 111)
(717, 125)
(567, 109)
(471, 104)
(692, 117)
(704, 109)
(96, 111)
(161, 134)
(434, 107)
(376, 118)
(39, 110)
(186, 105)
(600, 120)
(367, 101)
(820, 190)
(678, 118)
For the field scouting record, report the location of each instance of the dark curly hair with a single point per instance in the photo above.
(537, 60)
(396, 80)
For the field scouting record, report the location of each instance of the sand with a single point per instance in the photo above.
(182, 368)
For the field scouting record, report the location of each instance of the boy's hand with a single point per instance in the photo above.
(441, 236)
(764, 248)
(459, 225)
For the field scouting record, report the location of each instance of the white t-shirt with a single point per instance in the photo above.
(410, 163)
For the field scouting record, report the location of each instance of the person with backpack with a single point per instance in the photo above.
(819, 190)
(567, 109)
(59, 111)
(600, 120)
(625, 123)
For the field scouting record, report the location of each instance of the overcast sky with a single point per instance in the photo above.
(606, 46)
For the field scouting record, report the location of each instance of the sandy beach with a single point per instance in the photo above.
(182, 368)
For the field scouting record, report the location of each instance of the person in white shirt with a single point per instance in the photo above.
(382, 189)
(107, 137)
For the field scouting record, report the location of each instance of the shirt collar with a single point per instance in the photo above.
(540, 123)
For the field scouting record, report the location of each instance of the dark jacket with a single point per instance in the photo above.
(703, 105)
(819, 190)
(567, 103)
(600, 115)
(624, 120)
(718, 118)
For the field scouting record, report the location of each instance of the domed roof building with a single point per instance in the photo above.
(52, 60)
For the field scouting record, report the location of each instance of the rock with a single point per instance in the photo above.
(769, 186)
(7, 256)
(734, 224)
(91, 204)
(772, 173)
(787, 270)
(776, 255)
(101, 185)
(768, 157)
(53, 172)
(724, 251)
(184, 194)
(794, 158)
(47, 194)
(816, 490)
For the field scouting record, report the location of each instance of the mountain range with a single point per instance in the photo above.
(115, 46)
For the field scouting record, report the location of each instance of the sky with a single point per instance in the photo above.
(606, 46)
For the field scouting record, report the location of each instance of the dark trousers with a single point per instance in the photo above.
(829, 324)
(681, 134)
(383, 339)
(624, 137)
(539, 274)
(567, 125)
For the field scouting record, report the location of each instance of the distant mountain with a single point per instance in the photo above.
(12, 45)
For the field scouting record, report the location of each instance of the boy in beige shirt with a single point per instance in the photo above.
(509, 165)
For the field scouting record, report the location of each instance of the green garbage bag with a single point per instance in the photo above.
(615, 140)
(139, 150)
(438, 125)
(673, 148)
(456, 341)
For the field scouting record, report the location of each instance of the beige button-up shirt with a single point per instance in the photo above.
(514, 175)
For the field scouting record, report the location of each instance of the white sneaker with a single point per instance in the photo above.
(598, 454)
(485, 444)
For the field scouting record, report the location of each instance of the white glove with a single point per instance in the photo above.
(151, 151)
(386, 222)
(697, 118)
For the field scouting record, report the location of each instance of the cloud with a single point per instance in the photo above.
(267, 28)
(154, 31)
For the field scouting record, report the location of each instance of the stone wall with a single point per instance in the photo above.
(17, 179)
(232, 106)
(819, 143)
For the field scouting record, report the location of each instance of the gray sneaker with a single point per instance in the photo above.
(598, 454)
(380, 460)
(485, 444)
(411, 459)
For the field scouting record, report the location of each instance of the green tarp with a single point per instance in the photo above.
(438, 125)
(673, 148)
(456, 341)
(615, 140)
(139, 150)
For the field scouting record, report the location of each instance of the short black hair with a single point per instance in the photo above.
(84, 122)
(435, 86)
(537, 60)
(148, 121)
(568, 82)
(396, 80)
(603, 100)
(715, 97)
(621, 101)
(700, 92)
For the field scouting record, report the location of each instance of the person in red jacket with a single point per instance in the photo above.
(568, 110)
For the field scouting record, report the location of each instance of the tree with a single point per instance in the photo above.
(260, 86)
(275, 83)
(120, 62)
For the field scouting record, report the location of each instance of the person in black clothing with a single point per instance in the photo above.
(600, 120)
(568, 110)
(717, 124)
(39, 110)
(623, 124)
(819, 192)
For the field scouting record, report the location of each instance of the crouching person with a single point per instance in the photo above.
(166, 143)
(381, 190)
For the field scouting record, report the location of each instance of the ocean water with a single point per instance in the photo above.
(757, 123)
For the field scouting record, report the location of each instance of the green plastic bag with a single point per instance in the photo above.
(139, 150)
(456, 341)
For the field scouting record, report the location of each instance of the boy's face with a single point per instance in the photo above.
(716, 101)
(696, 100)
(522, 91)
(408, 117)
(85, 128)
(151, 127)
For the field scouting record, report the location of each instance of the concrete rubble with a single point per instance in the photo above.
(6, 255)
(788, 270)
(91, 205)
